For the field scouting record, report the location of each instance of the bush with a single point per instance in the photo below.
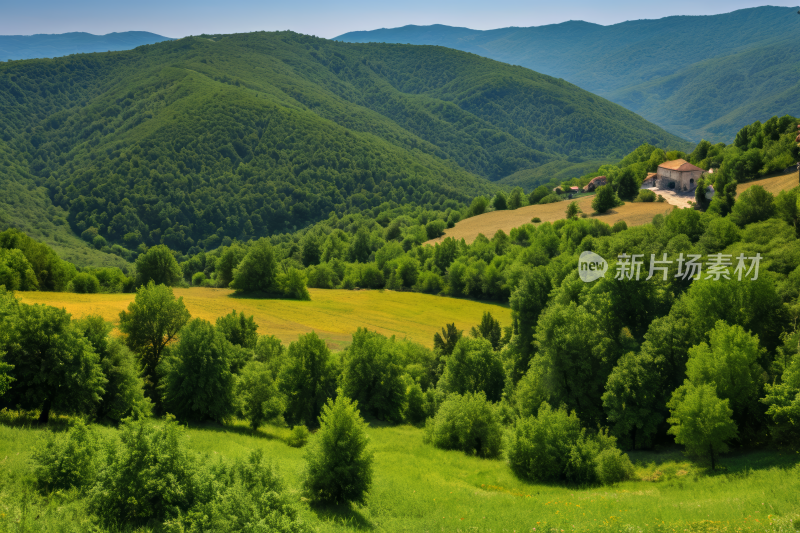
(473, 366)
(549, 199)
(536, 220)
(613, 466)
(198, 278)
(435, 228)
(198, 383)
(604, 199)
(84, 283)
(258, 271)
(239, 329)
(619, 225)
(66, 460)
(552, 446)
(293, 284)
(338, 463)
(132, 486)
(258, 396)
(468, 423)
(415, 404)
(298, 437)
(645, 195)
(159, 266)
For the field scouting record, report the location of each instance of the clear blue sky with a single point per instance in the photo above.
(178, 18)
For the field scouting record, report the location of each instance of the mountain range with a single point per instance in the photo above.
(16, 47)
(190, 141)
(695, 76)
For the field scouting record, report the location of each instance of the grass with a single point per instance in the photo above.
(333, 314)
(634, 214)
(417, 488)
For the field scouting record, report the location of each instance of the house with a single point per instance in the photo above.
(595, 183)
(649, 180)
(574, 190)
(679, 175)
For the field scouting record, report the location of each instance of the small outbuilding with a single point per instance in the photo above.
(599, 181)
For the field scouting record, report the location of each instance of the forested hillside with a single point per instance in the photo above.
(698, 77)
(13, 47)
(194, 141)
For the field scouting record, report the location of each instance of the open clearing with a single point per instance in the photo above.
(634, 214)
(417, 488)
(333, 314)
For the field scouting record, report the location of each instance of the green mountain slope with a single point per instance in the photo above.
(56, 45)
(651, 66)
(192, 141)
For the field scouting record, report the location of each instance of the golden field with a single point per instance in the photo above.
(634, 214)
(333, 314)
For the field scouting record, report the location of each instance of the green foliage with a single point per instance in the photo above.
(626, 184)
(52, 274)
(371, 375)
(258, 396)
(499, 201)
(415, 404)
(573, 210)
(338, 461)
(753, 205)
(701, 421)
(468, 423)
(152, 321)
(198, 383)
(63, 460)
(159, 266)
(604, 199)
(293, 284)
(238, 329)
(473, 367)
(478, 206)
(551, 446)
(84, 283)
(298, 437)
(123, 394)
(258, 271)
(16, 273)
(307, 379)
(646, 195)
(55, 366)
(488, 329)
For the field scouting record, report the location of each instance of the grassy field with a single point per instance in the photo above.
(333, 314)
(417, 488)
(634, 214)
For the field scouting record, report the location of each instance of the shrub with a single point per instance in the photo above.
(239, 329)
(536, 220)
(613, 466)
(415, 404)
(198, 383)
(132, 486)
(645, 195)
(159, 266)
(552, 446)
(293, 284)
(338, 463)
(472, 367)
(549, 199)
(258, 271)
(258, 395)
(84, 283)
(435, 228)
(468, 423)
(619, 225)
(198, 278)
(298, 437)
(67, 460)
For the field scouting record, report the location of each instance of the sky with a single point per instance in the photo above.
(179, 18)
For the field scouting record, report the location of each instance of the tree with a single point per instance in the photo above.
(720, 233)
(701, 421)
(294, 284)
(258, 396)
(753, 205)
(473, 367)
(228, 262)
(527, 303)
(312, 250)
(700, 194)
(238, 329)
(488, 329)
(517, 198)
(55, 366)
(159, 266)
(258, 271)
(468, 423)
(198, 383)
(538, 193)
(443, 345)
(627, 184)
(338, 461)
(478, 206)
(573, 210)
(371, 375)
(500, 203)
(16, 272)
(604, 199)
(724, 191)
(786, 207)
(359, 247)
(123, 394)
(152, 321)
(307, 379)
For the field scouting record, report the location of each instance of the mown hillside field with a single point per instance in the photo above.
(333, 314)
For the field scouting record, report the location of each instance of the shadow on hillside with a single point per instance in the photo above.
(30, 419)
(239, 430)
(343, 514)
(738, 463)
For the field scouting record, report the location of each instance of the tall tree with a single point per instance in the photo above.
(307, 379)
(159, 266)
(151, 322)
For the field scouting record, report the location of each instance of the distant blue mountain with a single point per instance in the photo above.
(63, 44)
(695, 76)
